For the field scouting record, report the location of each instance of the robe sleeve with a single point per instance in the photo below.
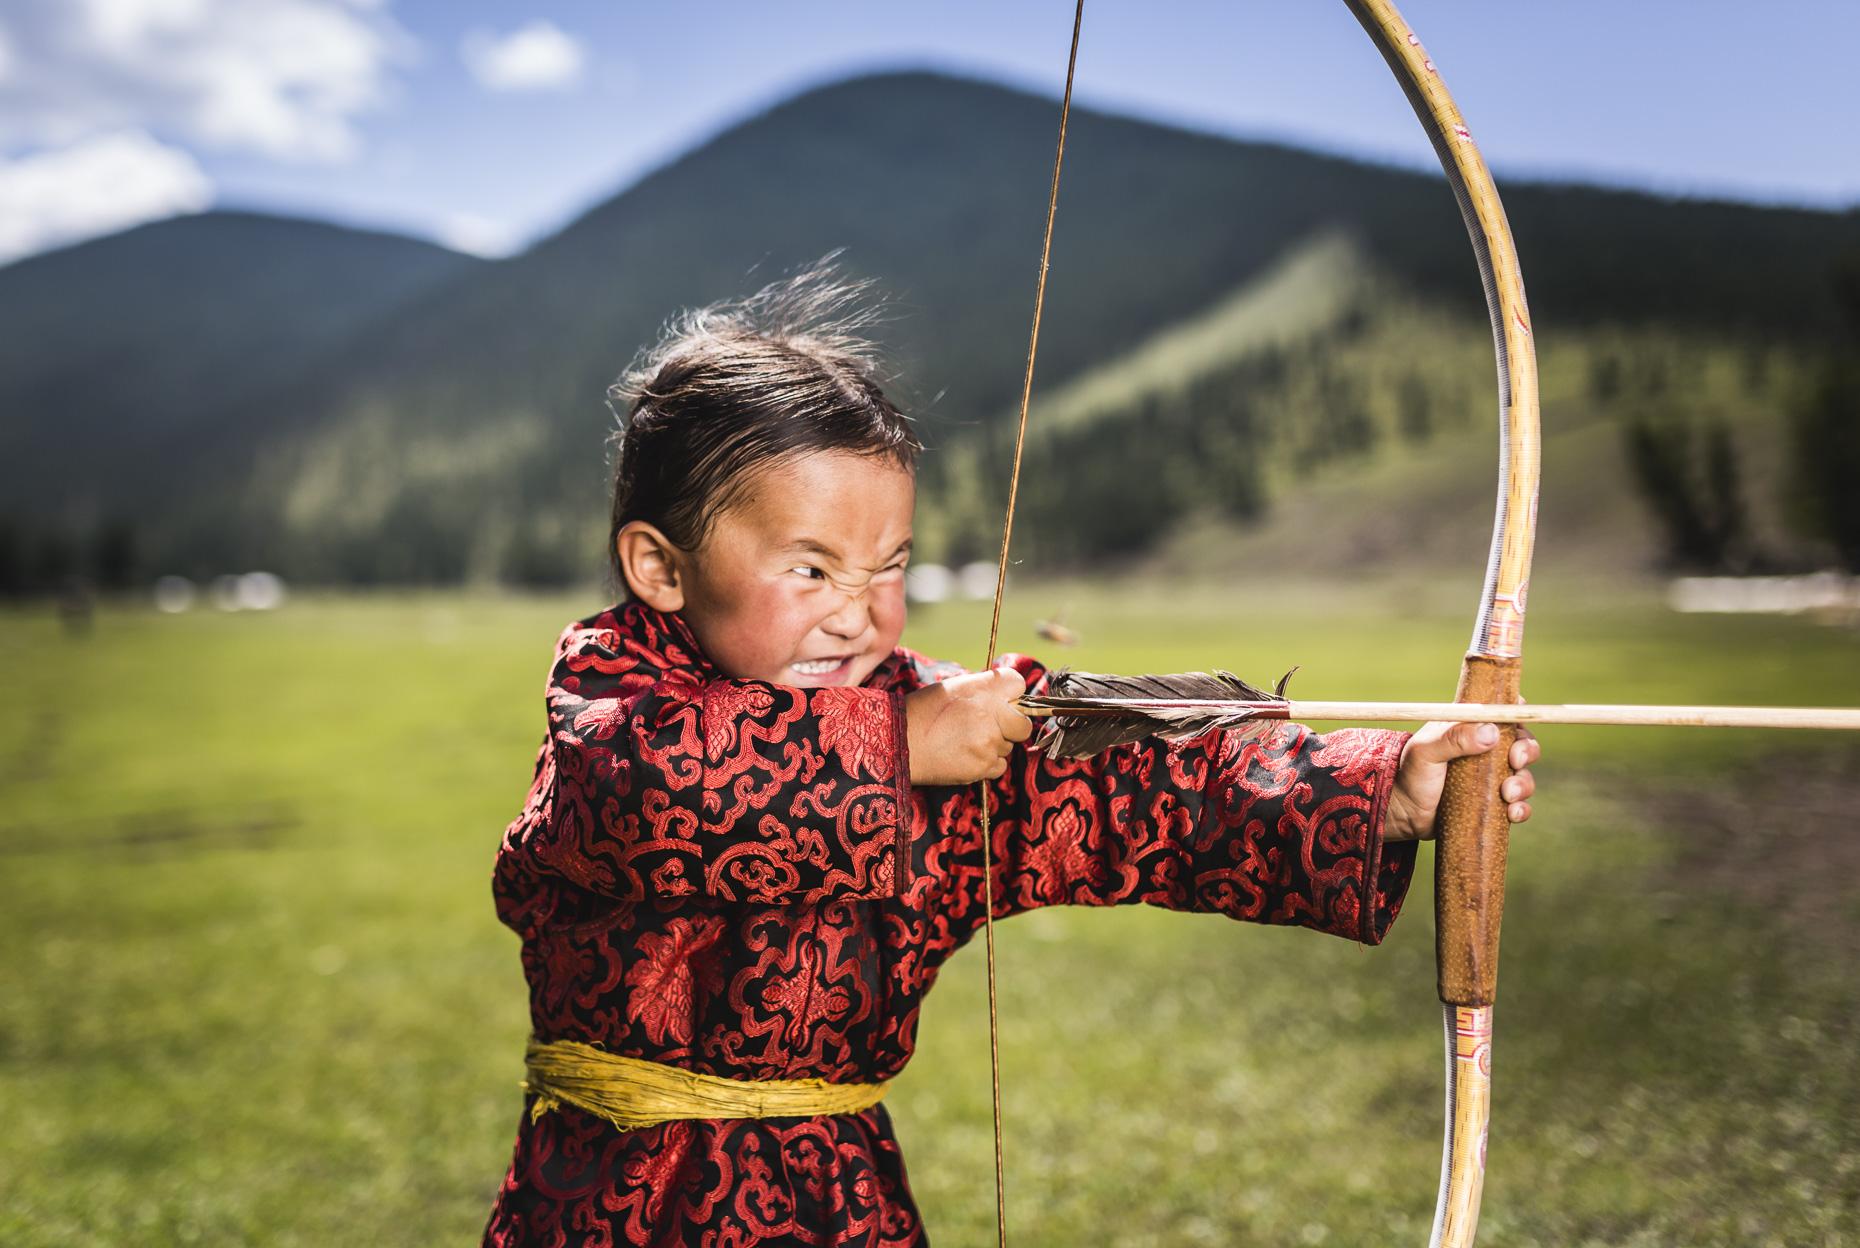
(657, 782)
(1279, 826)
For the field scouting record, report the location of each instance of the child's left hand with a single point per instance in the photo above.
(1423, 776)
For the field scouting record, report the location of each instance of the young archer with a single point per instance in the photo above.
(753, 838)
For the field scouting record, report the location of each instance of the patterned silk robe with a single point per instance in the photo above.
(738, 878)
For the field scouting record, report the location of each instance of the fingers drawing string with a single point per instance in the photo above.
(994, 623)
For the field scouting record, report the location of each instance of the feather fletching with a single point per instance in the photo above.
(1092, 712)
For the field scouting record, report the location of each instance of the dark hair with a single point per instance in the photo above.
(736, 386)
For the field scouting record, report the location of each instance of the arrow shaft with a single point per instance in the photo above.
(1834, 718)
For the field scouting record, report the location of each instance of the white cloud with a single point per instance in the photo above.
(479, 236)
(285, 78)
(536, 57)
(96, 186)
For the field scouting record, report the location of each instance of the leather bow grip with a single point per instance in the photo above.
(1474, 836)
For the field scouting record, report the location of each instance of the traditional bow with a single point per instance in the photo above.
(1474, 833)
(1469, 889)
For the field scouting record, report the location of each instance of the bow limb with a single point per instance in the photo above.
(1474, 833)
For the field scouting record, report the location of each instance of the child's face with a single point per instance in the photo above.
(801, 582)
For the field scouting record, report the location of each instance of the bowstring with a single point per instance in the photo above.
(994, 623)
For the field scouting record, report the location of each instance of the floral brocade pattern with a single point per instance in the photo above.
(737, 878)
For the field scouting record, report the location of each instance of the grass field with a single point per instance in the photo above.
(253, 990)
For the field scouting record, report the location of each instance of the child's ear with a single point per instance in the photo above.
(649, 562)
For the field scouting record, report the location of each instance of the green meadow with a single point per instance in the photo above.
(253, 990)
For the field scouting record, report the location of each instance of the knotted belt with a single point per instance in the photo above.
(633, 1093)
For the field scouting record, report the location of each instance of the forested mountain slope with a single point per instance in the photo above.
(462, 435)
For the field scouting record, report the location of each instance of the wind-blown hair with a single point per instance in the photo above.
(737, 386)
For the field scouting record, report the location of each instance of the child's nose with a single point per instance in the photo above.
(851, 618)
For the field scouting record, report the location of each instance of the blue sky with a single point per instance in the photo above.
(488, 124)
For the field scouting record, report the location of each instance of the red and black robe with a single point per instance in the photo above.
(738, 878)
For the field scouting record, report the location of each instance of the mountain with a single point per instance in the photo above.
(456, 429)
(113, 349)
(1328, 416)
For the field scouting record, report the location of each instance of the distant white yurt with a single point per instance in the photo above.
(174, 594)
(929, 582)
(261, 591)
(978, 579)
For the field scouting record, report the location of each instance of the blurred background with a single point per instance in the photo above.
(307, 313)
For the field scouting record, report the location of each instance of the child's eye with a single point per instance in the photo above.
(809, 571)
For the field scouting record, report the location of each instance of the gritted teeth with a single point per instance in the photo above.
(817, 667)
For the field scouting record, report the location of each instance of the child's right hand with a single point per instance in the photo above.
(963, 729)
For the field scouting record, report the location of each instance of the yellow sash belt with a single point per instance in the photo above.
(633, 1093)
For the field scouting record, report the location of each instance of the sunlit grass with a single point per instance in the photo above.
(254, 990)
